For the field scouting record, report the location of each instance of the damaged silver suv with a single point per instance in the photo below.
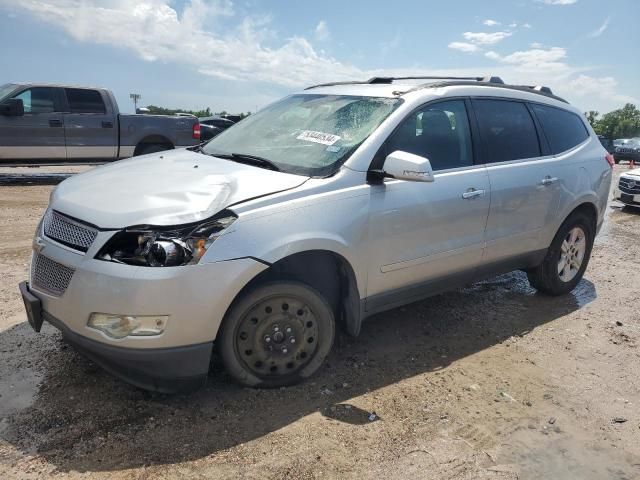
(318, 211)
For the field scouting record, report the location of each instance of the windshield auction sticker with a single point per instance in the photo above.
(318, 137)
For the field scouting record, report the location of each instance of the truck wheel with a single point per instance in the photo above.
(153, 148)
(276, 335)
(567, 257)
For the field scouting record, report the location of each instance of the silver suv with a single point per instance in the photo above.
(320, 210)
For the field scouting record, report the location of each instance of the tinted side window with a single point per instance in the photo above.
(439, 132)
(37, 100)
(507, 129)
(84, 101)
(563, 129)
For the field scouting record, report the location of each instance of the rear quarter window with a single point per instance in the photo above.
(564, 130)
(507, 129)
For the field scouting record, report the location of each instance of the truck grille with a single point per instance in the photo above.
(68, 232)
(49, 275)
(628, 185)
(625, 150)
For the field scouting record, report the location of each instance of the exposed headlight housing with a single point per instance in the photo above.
(165, 246)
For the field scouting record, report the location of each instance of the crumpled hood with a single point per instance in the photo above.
(166, 188)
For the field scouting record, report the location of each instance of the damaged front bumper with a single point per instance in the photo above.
(193, 298)
(166, 370)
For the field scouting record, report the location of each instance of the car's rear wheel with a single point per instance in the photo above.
(276, 335)
(567, 257)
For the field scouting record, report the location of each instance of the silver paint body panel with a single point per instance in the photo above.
(396, 235)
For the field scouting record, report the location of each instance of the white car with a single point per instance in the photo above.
(628, 189)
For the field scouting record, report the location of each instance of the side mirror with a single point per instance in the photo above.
(407, 166)
(12, 107)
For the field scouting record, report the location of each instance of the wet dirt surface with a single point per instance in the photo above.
(488, 382)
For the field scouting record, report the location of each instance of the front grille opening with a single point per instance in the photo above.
(50, 276)
(68, 232)
(627, 185)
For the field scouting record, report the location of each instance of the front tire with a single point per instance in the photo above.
(567, 257)
(276, 335)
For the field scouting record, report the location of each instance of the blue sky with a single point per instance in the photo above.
(240, 55)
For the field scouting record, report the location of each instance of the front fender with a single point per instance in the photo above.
(338, 227)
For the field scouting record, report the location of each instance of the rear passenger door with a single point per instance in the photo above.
(524, 178)
(39, 133)
(90, 127)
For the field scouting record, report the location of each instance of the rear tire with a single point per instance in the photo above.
(567, 257)
(276, 335)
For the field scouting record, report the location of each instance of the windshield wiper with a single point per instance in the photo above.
(248, 159)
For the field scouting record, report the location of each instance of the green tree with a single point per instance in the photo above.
(621, 123)
(155, 110)
(592, 116)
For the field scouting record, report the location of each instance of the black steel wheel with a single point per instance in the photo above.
(276, 335)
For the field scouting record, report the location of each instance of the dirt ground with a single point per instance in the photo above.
(488, 382)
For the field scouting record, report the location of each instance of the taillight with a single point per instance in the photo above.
(609, 158)
(196, 131)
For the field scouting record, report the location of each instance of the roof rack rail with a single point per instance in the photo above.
(448, 82)
(390, 80)
(539, 88)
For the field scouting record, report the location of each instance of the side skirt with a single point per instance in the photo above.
(414, 293)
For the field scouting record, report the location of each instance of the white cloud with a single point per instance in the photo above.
(491, 23)
(464, 47)
(513, 25)
(482, 38)
(322, 31)
(156, 31)
(534, 60)
(248, 49)
(602, 87)
(596, 33)
(560, 2)
(540, 66)
(526, 25)
(536, 45)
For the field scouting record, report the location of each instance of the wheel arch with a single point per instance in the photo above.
(587, 204)
(328, 272)
(152, 140)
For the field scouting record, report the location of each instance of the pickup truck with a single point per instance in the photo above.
(57, 123)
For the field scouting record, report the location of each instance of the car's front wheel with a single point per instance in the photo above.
(567, 257)
(276, 334)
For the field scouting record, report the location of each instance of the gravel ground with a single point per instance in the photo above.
(488, 382)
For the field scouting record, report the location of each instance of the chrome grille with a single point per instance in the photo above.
(625, 150)
(49, 275)
(628, 185)
(68, 232)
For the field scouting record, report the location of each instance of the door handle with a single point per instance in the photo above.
(548, 180)
(107, 124)
(55, 123)
(472, 193)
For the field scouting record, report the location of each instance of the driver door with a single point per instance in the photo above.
(422, 233)
(39, 133)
